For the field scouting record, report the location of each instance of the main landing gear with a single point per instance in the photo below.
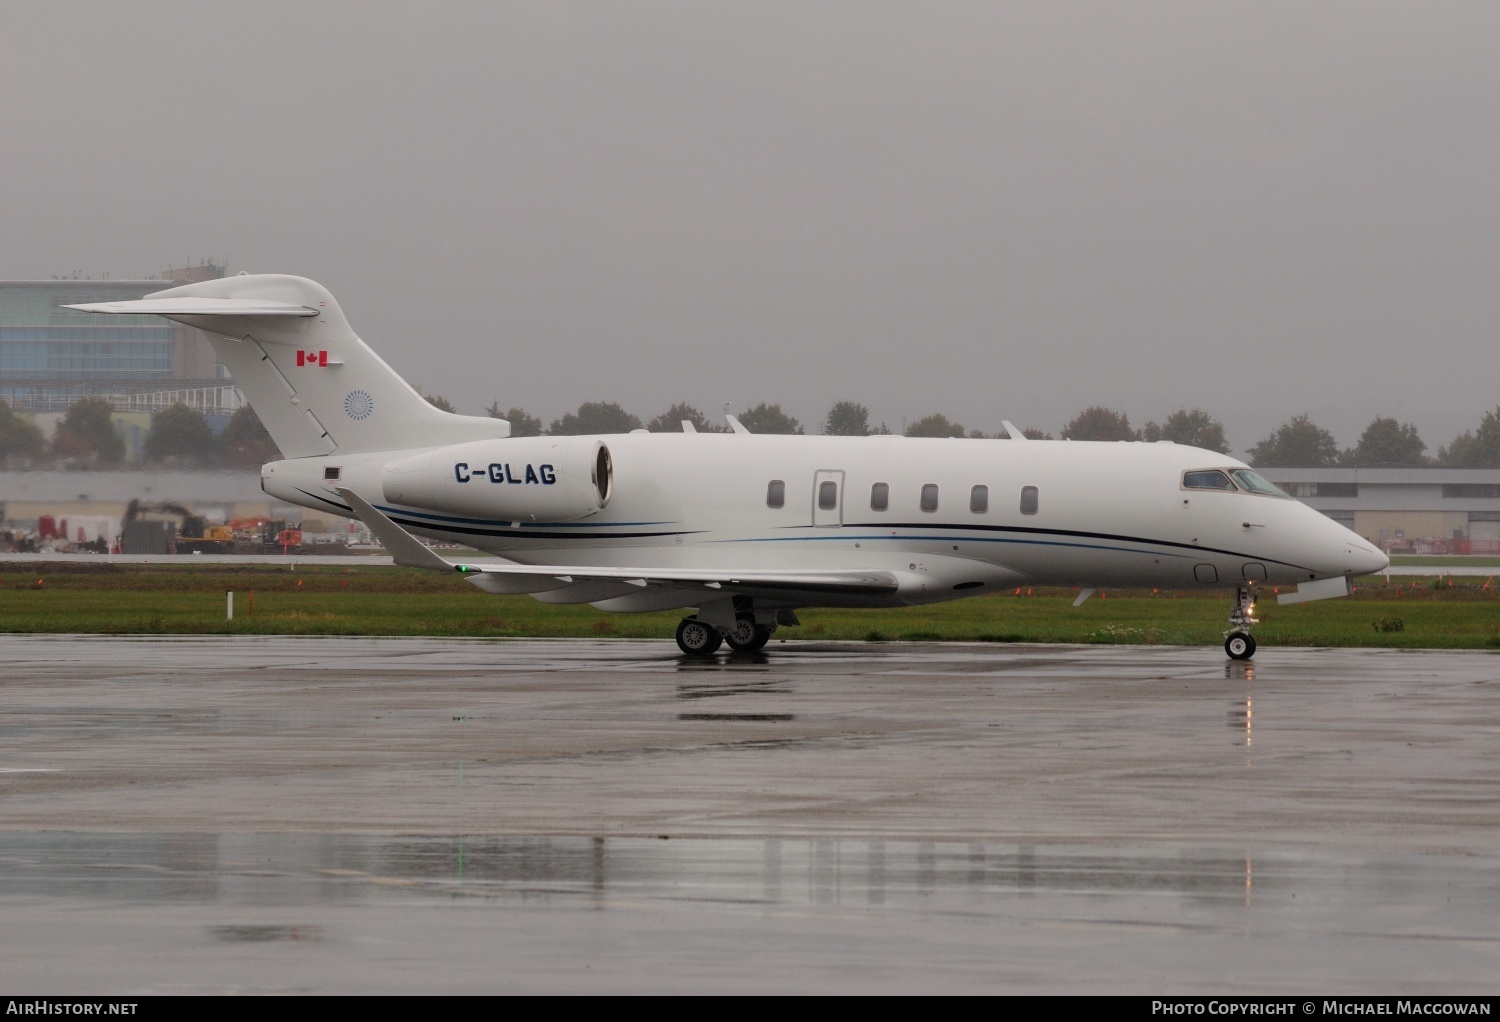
(746, 636)
(1239, 644)
(696, 638)
(699, 638)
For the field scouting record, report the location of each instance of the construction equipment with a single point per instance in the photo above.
(200, 538)
(162, 528)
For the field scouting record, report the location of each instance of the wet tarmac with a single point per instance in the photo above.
(423, 815)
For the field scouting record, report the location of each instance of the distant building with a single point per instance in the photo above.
(25, 497)
(1422, 510)
(51, 356)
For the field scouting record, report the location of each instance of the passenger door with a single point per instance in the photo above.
(828, 498)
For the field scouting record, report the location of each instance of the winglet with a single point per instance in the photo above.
(401, 545)
(1011, 431)
(736, 424)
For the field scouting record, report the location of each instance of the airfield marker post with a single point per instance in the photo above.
(230, 609)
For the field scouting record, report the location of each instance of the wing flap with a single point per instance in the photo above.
(540, 578)
(849, 583)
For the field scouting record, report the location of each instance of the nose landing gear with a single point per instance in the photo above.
(1239, 644)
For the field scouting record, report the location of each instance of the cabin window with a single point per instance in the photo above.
(776, 493)
(1028, 500)
(929, 496)
(979, 499)
(1206, 479)
(828, 495)
(331, 472)
(880, 496)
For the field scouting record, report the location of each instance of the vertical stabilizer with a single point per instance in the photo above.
(316, 386)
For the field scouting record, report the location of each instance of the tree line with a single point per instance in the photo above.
(845, 418)
(1297, 443)
(181, 436)
(1301, 443)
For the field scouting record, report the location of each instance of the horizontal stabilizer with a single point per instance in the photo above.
(197, 307)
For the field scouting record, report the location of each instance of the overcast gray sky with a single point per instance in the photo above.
(993, 210)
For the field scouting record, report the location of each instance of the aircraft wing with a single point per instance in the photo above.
(197, 307)
(407, 550)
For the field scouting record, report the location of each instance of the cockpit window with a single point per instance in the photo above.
(1232, 480)
(1206, 479)
(1254, 483)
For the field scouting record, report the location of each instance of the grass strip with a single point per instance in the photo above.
(1426, 613)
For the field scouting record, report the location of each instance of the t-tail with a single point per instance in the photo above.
(315, 385)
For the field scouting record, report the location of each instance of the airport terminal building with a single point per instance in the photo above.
(52, 356)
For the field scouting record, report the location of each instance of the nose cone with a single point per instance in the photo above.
(1333, 549)
(1364, 559)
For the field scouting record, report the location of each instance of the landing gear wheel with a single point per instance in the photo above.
(696, 638)
(746, 636)
(1240, 646)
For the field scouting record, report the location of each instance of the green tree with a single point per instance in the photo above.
(1479, 449)
(1387, 442)
(594, 417)
(764, 418)
(1032, 433)
(245, 442)
(438, 401)
(1297, 443)
(1191, 428)
(521, 424)
(180, 433)
(19, 438)
(87, 434)
(1099, 423)
(847, 418)
(670, 421)
(936, 424)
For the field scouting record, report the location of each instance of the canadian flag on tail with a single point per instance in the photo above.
(312, 358)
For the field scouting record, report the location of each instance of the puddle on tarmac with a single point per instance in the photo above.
(262, 934)
(309, 869)
(716, 691)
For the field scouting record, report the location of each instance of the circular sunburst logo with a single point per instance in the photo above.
(359, 404)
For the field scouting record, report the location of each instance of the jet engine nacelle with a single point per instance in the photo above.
(523, 479)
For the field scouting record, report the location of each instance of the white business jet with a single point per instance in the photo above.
(743, 529)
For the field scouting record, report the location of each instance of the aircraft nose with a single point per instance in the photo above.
(1365, 559)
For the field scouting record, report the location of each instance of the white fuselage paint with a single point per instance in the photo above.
(1108, 514)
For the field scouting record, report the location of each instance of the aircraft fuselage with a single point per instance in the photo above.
(1049, 513)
